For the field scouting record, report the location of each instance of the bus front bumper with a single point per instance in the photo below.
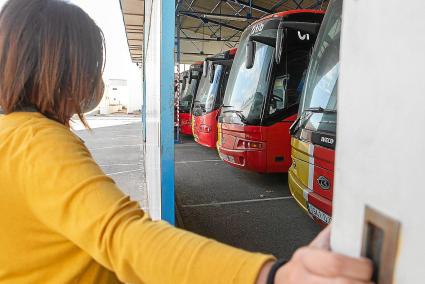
(185, 123)
(251, 160)
(317, 207)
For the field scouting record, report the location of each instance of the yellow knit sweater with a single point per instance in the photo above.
(62, 220)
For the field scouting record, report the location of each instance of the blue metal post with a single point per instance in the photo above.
(167, 110)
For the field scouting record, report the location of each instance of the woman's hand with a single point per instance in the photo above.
(317, 264)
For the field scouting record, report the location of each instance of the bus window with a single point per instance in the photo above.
(277, 100)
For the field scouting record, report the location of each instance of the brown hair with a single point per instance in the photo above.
(51, 58)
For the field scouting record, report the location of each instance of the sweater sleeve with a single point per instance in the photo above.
(70, 194)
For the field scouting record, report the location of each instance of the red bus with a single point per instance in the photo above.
(311, 176)
(262, 95)
(179, 86)
(186, 97)
(209, 97)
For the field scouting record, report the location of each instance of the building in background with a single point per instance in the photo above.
(121, 96)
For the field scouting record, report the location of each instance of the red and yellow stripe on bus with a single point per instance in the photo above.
(311, 178)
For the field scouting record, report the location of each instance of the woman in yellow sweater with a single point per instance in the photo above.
(62, 220)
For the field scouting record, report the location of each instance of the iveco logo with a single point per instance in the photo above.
(323, 182)
(327, 140)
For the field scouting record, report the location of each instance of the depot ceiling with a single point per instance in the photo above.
(206, 27)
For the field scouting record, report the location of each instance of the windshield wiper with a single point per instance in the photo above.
(319, 110)
(298, 122)
(238, 113)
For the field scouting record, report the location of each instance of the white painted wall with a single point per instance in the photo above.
(381, 123)
(153, 103)
(135, 90)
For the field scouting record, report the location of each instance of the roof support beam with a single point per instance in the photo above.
(236, 17)
(317, 5)
(279, 4)
(197, 54)
(249, 5)
(206, 39)
(205, 20)
(298, 3)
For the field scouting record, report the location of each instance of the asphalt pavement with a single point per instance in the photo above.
(244, 209)
(116, 144)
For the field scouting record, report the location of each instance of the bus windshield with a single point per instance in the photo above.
(188, 93)
(247, 88)
(321, 88)
(207, 93)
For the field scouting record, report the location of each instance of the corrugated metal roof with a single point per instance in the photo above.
(134, 16)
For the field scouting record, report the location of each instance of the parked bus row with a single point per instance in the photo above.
(270, 106)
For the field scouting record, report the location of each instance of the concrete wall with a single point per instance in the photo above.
(380, 127)
(159, 103)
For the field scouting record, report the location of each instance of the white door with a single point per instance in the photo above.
(381, 137)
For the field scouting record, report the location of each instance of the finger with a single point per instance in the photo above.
(317, 279)
(323, 240)
(296, 274)
(330, 264)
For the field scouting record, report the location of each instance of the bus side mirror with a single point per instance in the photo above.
(212, 73)
(279, 43)
(294, 127)
(205, 68)
(190, 77)
(250, 54)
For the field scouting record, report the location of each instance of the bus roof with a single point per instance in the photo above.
(287, 13)
(228, 54)
(232, 51)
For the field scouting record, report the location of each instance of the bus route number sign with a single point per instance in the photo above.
(257, 28)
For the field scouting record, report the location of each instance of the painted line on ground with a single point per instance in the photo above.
(119, 146)
(237, 202)
(192, 162)
(113, 165)
(110, 133)
(124, 172)
(186, 145)
(126, 136)
(114, 137)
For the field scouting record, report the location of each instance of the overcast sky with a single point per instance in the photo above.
(107, 14)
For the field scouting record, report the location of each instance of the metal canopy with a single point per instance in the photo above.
(134, 16)
(207, 27)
